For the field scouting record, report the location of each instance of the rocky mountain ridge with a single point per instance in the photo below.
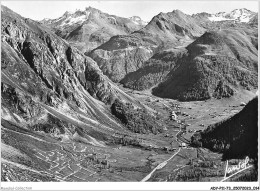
(86, 29)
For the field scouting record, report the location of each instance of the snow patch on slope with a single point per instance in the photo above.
(138, 21)
(72, 20)
(216, 18)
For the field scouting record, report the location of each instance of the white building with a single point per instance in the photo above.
(183, 145)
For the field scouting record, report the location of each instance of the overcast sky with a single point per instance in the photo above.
(39, 10)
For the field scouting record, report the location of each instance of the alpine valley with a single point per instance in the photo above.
(91, 96)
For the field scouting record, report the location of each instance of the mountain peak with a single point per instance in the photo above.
(89, 8)
(242, 10)
(177, 11)
(67, 13)
(80, 11)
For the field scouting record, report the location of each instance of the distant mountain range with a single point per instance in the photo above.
(240, 15)
(89, 28)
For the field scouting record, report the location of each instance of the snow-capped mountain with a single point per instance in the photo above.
(90, 27)
(79, 16)
(137, 20)
(70, 18)
(241, 15)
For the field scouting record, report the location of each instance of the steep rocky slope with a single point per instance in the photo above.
(89, 28)
(50, 86)
(254, 20)
(218, 65)
(126, 53)
(42, 74)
